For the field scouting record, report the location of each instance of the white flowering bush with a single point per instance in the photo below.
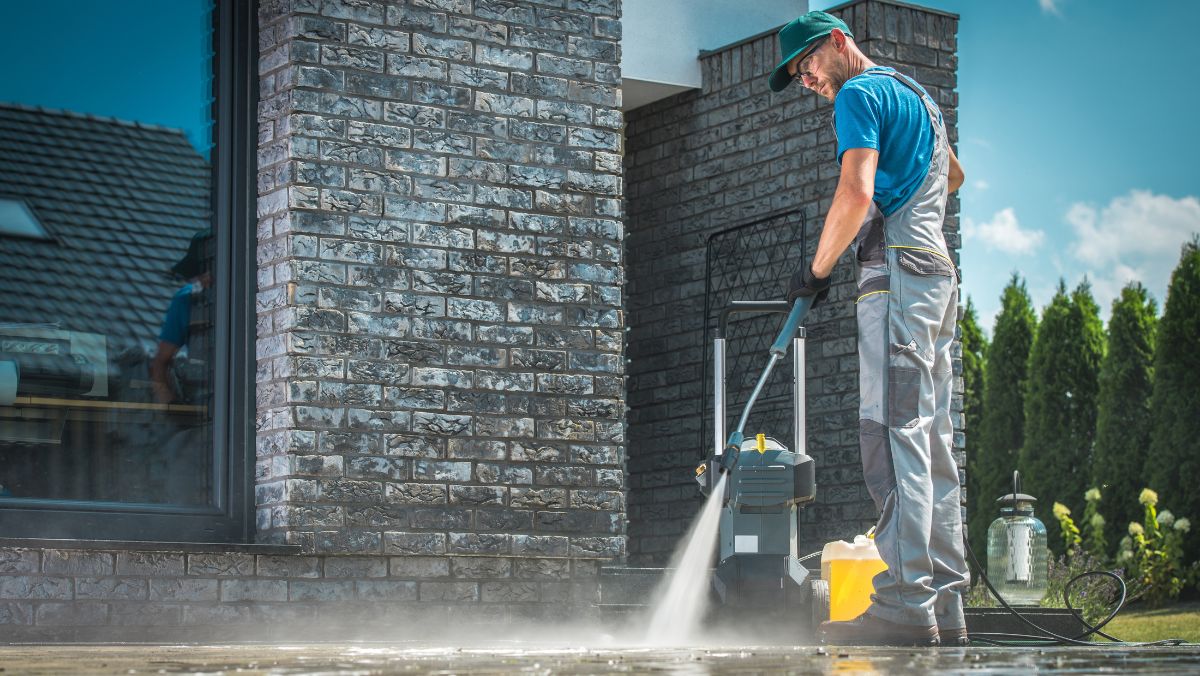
(1151, 554)
(1093, 524)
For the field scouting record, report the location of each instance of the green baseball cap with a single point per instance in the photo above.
(193, 263)
(798, 36)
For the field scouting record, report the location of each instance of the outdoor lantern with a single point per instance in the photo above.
(1018, 560)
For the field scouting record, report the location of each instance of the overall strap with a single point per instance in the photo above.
(935, 115)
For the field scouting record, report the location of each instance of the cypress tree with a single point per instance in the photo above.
(1123, 409)
(1173, 468)
(974, 349)
(974, 352)
(993, 448)
(1060, 408)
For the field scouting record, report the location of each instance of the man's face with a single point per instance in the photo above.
(823, 70)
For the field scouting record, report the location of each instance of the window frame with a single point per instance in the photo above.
(230, 518)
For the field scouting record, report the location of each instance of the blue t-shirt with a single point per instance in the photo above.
(874, 110)
(175, 329)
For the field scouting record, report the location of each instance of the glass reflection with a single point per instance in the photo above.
(106, 254)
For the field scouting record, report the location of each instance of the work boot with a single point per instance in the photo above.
(954, 638)
(868, 630)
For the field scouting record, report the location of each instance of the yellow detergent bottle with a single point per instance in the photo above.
(849, 568)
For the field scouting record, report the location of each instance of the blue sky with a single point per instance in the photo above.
(142, 60)
(1078, 134)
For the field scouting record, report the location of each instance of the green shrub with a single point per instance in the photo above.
(1092, 596)
(1093, 526)
(1152, 554)
(1067, 527)
(1153, 550)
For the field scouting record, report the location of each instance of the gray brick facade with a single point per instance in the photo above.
(440, 336)
(701, 162)
(114, 594)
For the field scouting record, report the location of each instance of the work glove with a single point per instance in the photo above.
(805, 284)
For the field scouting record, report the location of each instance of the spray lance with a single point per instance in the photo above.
(777, 351)
(727, 459)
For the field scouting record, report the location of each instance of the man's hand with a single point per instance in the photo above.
(160, 367)
(804, 284)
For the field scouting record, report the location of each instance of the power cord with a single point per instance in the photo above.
(1047, 637)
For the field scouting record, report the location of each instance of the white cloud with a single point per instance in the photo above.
(981, 185)
(1134, 237)
(1049, 6)
(1003, 233)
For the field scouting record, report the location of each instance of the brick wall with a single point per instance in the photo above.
(440, 337)
(730, 153)
(440, 351)
(245, 594)
(440, 357)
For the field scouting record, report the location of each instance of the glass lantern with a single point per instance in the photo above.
(1018, 558)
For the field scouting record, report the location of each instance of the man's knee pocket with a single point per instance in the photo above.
(878, 471)
(904, 396)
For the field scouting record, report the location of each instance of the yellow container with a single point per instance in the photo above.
(848, 567)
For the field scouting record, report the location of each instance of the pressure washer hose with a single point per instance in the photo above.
(1048, 637)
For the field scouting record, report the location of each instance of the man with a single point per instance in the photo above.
(176, 327)
(896, 171)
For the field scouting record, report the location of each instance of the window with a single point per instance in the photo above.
(16, 220)
(126, 227)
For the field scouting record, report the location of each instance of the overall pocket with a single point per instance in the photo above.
(925, 262)
(870, 249)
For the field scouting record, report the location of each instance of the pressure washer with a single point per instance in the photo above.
(759, 567)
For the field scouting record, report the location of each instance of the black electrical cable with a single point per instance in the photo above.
(1048, 637)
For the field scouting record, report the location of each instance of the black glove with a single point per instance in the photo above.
(804, 283)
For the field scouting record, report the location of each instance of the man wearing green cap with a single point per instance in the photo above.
(897, 169)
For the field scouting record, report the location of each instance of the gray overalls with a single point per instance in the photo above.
(907, 304)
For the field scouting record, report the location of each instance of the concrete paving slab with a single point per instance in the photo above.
(517, 657)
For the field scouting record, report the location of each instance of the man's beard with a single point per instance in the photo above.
(837, 78)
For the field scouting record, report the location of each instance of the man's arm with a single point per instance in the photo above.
(159, 367)
(851, 200)
(957, 176)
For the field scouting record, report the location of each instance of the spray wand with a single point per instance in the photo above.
(777, 351)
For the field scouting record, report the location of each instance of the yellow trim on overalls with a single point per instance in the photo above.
(869, 294)
(922, 248)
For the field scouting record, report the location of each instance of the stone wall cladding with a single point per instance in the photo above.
(440, 321)
(440, 341)
(730, 153)
(56, 594)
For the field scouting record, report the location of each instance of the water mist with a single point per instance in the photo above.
(681, 599)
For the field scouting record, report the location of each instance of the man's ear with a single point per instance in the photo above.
(839, 39)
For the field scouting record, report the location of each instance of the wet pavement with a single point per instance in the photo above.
(505, 658)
